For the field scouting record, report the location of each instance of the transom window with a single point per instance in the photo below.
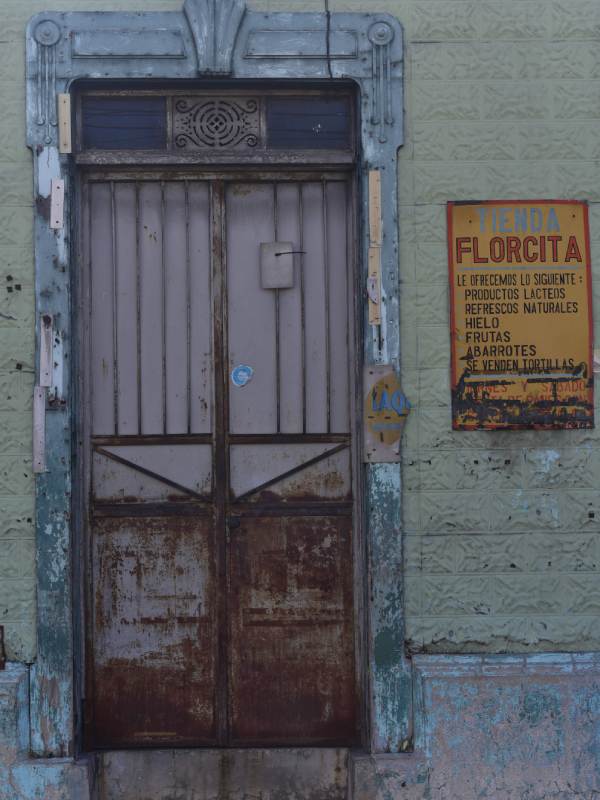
(244, 123)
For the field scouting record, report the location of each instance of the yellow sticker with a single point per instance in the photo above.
(386, 409)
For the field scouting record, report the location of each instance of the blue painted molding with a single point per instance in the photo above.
(219, 38)
(208, 38)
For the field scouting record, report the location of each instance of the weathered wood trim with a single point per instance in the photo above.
(205, 38)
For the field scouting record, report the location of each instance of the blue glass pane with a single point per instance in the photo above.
(309, 123)
(124, 123)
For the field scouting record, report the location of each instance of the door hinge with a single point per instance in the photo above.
(46, 345)
(57, 203)
(39, 429)
(64, 123)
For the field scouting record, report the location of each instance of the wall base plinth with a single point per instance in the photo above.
(495, 727)
(22, 777)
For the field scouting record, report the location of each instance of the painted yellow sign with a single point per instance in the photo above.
(520, 314)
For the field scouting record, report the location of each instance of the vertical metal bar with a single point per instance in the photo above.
(327, 316)
(170, 115)
(353, 352)
(220, 454)
(302, 311)
(164, 304)
(355, 327)
(81, 487)
(138, 306)
(188, 281)
(277, 342)
(89, 660)
(115, 317)
(212, 346)
(90, 327)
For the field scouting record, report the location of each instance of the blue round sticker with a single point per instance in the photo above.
(241, 374)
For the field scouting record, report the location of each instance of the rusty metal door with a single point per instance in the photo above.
(218, 456)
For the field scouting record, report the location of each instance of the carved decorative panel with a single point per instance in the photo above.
(219, 124)
(47, 35)
(381, 35)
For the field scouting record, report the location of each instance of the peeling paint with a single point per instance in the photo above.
(548, 459)
(21, 777)
(48, 167)
(390, 674)
(489, 727)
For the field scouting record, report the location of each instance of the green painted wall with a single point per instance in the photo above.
(502, 529)
(17, 535)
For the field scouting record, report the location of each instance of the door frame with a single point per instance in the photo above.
(82, 566)
(207, 38)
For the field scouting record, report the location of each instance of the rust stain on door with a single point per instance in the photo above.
(292, 674)
(154, 631)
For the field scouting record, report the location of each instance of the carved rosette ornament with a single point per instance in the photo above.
(381, 36)
(47, 35)
(216, 123)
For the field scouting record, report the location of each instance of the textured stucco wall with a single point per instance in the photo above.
(17, 536)
(502, 529)
(502, 546)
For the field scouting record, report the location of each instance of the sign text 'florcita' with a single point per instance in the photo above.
(521, 318)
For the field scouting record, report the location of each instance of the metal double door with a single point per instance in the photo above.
(217, 454)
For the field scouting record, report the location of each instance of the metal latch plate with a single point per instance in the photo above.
(277, 265)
